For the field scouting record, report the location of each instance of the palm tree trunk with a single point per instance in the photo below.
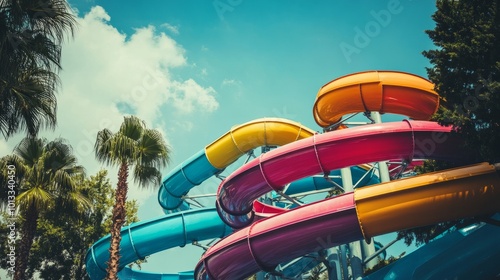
(28, 233)
(118, 221)
(80, 271)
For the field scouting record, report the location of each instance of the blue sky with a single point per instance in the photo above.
(193, 69)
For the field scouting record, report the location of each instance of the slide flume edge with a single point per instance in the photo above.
(426, 199)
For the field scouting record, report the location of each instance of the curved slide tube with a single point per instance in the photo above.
(148, 237)
(330, 151)
(375, 91)
(426, 199)
(224, 151)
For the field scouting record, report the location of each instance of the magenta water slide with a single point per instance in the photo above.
(404, 140)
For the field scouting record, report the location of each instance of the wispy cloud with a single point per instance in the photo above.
(230, 82)
(172, 28)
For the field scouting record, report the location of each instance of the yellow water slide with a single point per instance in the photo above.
(261, 132)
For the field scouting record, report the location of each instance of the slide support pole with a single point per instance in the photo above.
(383, 172)
(354, 247)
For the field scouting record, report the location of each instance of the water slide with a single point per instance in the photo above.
(391, 92)
(375, 91)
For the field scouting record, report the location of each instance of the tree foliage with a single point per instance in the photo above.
(62, 239)
(45, 177)
(31, 33)
(466, 72)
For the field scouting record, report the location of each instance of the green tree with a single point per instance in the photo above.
(46, 174)
(31, 33)
(466, 72)
(133, 145)
(62, 240)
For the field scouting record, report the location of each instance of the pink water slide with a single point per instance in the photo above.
(404, 140)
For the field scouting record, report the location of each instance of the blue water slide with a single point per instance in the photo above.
(148, 237)
(177, 183)
(360, 176)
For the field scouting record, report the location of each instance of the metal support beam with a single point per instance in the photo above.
(365, 261)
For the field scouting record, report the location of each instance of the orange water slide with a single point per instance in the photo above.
(375, 91)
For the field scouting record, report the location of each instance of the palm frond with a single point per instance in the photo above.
(36, 196)
(124, 148)
(103, 147)
(30, 149)
(59, 156)
(51, 17)
(30, 101)
(19, 166)
(146, 176)
(132, 127)
(153, 150)
(73, 203)
(32, 33)
(63, 181)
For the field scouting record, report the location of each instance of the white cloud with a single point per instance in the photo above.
(102, 68)
(189, 95)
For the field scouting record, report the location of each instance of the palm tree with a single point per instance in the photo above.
(31, 33)
(46, 174)
(133, 145)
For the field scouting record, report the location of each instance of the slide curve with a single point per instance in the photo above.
(222, 152)
(375, 91)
